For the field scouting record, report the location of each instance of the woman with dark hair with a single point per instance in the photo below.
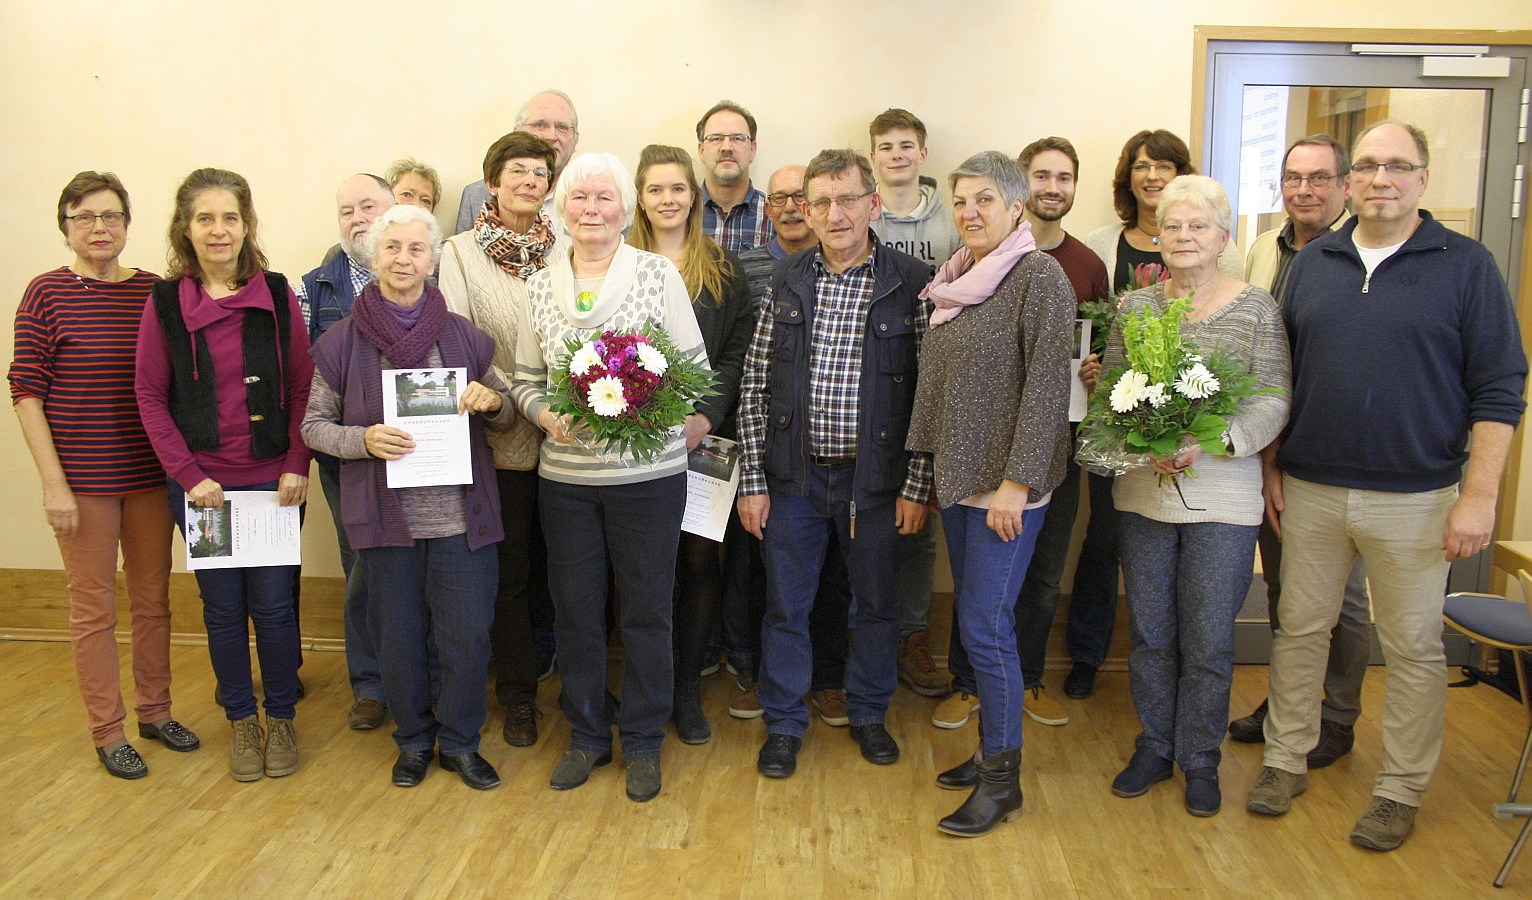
(222, 381)
(72, 387)
(670, 223)
(484, 273)
(428, 552)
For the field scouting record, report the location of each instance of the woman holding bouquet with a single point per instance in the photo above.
(484, 274)
(1188, 534)
(602, 507)
(669, 223)
(992, 408)
(429, 552)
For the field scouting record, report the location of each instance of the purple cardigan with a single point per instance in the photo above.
(369, 509)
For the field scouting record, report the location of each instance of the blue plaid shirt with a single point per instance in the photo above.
(742, 228)
(835, 376)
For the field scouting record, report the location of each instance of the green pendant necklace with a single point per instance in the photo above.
(585, 301)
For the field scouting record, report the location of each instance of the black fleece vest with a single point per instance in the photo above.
(193, 388)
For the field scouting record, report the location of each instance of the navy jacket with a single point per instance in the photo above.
(329, 292)
(887, 387)
(1390, 372)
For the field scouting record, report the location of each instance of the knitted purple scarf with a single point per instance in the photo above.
(405, 349)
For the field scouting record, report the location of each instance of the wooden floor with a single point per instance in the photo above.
(840, 828)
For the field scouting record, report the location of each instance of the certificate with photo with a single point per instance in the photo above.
(1078, 398)
(712, 479)
(250, 529)
(423, 404)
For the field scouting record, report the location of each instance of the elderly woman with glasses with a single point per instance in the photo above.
(429, 552)
(992, 407)
(1188, 544)
(72, 386)
(602, 509)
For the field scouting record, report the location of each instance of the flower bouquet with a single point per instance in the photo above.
(1103, 312)
(629, 389)
(1167, 398)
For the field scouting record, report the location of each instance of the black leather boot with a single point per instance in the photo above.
(963, 776)
(996, 798)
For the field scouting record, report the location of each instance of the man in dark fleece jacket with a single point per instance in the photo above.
(1404, 343)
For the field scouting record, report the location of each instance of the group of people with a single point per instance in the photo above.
(880, 359)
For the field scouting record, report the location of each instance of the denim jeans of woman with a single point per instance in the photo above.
(438, 594)
(261, 595)
(986, 574)
(1186, 583)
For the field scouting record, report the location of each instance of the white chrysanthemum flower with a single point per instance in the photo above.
(1197, 382)
(605, 396)
(1157, 395)
(584, 359)
(1194, 358)
(1129, 391)
(652, 359)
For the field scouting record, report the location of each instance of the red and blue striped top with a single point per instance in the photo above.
(75, 344)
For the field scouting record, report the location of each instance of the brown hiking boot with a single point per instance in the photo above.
(281, 747)
(918, 671)
(247, 761)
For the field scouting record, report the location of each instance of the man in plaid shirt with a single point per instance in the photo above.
(824, 411)
(733, 210)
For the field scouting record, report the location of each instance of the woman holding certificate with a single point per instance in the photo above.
(222, 377)
(605, 509)
(669, 222)
(429, 551)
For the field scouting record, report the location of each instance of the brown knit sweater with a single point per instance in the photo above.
(993, 397)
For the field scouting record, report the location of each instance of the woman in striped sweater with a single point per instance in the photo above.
(72, 386)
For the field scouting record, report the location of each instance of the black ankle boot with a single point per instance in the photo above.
(996, 798)
(961, 777)
(686, 712)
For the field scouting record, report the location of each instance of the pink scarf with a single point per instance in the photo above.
(961, 282)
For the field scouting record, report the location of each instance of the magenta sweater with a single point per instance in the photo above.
(221, 323)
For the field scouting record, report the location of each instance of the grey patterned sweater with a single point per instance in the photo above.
(993, 398)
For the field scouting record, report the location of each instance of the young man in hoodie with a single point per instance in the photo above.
(914, 221)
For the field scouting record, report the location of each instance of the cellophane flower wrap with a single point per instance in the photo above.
(1169, 395)
(1102, 313)
(626, 390)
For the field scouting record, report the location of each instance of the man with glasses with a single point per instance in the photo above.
(1314, 197)
(1405, 344)
(326, 295)
(733, 209)
(825, 403)
(551, 116)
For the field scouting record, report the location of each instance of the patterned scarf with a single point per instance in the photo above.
(405, 349)
(522, 255)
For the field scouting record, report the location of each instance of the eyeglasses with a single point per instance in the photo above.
(716, 139)
(1160, 168)
(1368, 169)
(779, 199)
(1317, 180)
(87, 221)
(563, 129)
(517, 173)
(847, 203)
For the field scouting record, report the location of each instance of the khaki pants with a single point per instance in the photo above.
(1399, 537)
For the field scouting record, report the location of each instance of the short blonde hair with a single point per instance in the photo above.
(1204, 194)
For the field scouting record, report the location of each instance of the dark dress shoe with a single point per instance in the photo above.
(1335, 741)
(1252, 728)
(996, 798)
(520, 729)
(643, 779)
(961, 777)
(877, 744)
(779, 756)
(686, 712)
(1203, 797)
(411, 768)
(1080, 683)
(124, 762)
(366, 714)
(574, 769)
(472, 768)
(175, 735)
(1144, 771)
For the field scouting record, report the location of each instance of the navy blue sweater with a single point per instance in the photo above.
(1389, 372)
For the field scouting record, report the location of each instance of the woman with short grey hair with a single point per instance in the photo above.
(991, 407)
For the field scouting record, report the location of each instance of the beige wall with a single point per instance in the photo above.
(296, 96)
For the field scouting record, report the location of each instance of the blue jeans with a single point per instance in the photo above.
(435, 593)
(793, 549)
(361, 654)
(986, 574)
(262, 595)
(1186, 584)
(635, 529)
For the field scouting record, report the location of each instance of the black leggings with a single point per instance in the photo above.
(699, 585)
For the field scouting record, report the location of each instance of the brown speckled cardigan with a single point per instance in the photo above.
(993, 397)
